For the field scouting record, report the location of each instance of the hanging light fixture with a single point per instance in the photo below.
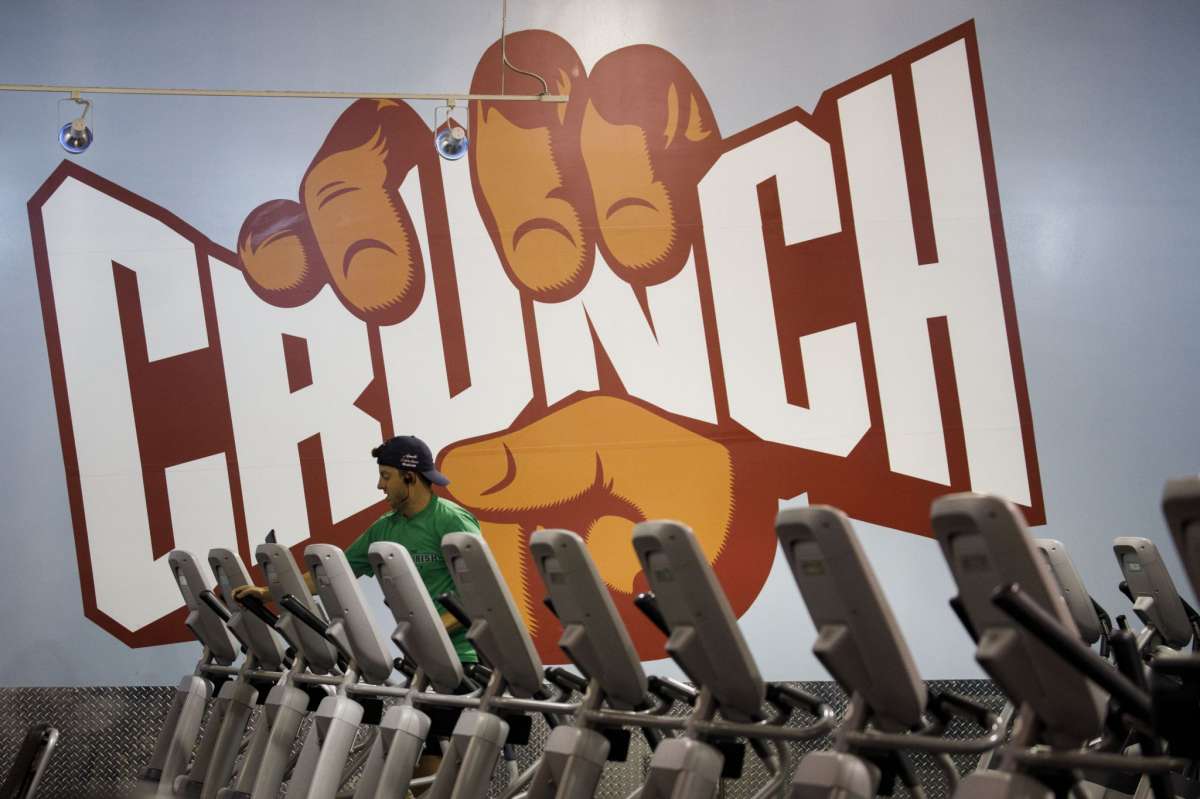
(450, 138)
(76, 136)
(451, 141)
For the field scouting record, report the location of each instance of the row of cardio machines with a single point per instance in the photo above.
(1121, 721)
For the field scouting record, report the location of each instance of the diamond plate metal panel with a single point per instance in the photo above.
(108, 734)
(622, 778)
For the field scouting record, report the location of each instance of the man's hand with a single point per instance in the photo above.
(450, 623)
(262, 593)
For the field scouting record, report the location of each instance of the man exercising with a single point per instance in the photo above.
(418, 520)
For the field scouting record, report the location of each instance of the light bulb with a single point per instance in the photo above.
(75, 136)
(451, 141)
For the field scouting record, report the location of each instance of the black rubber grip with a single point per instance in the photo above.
(455, 609)
(256, 606)
(1127, 658)
(672, 689)
(217, 606)
(1129, 663)
(791, 696)
(1192, 615)
(647, 603)
(566, 680)
(960, 610)
(478, 672)
(946, 704)
(301, 612)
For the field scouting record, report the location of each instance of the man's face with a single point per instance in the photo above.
(541, 233)
(391, 483)
(633, 208)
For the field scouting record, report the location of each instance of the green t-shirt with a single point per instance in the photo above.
(422, 537)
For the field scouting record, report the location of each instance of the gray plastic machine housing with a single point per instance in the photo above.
(858, 640)
(496, 630)
(349, 621)
(419, 632)
(284, 578)
(987, 545)
(252, 631)
(1073, 591)
(593, 635)
(705, 640)
(1181, 508)
(205, 624)
(1156, 600)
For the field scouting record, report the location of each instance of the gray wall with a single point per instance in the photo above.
(1094, 110)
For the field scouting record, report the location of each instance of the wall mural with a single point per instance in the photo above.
(612, 311)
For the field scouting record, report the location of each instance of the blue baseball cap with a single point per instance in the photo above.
(411, 453)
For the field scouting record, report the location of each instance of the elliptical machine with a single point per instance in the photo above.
(230, 715)
(704, 640)
(1092, 621)
(860, 644)
(599, 646)
(314, 664)
(1168, 621)
(1064, 724)
(178, 736)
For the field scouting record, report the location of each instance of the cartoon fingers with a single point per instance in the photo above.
(647, 136)
(350, 228)
(615, 168)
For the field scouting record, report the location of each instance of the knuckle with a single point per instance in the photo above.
(278, 254)
(363, 229)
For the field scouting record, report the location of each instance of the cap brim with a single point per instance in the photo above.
(436, 477)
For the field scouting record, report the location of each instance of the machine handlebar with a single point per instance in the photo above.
(1041, 625)
(945, 705)
(790, 696)
(217, 607)
(455, 609)
(566, 680)
(306, 616)
(256, 606)
(648, 605)
(478, 673)
(960, 611)
(667, 688)
(320, 627)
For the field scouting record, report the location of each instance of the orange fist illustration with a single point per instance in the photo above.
(599, 465)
